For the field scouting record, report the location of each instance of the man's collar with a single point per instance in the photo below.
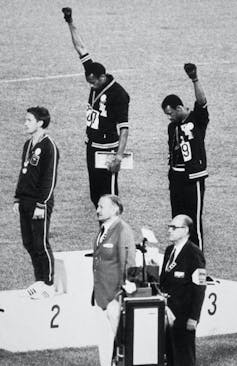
(179, 246)
(109, 222)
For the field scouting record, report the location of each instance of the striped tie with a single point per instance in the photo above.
(102, 229)
(170, 260)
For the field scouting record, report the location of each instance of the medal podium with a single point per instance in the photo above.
(144, 331)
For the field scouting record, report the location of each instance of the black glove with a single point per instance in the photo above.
(191, 71)
(67, 14)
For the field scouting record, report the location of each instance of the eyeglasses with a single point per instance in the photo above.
(173, 227)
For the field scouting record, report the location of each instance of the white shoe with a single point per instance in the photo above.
(42, 291)
(32, 289)
(48, 291)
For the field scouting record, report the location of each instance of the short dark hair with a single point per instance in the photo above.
(116, 201)
(172, 100)
(40, 114)
(96, 69)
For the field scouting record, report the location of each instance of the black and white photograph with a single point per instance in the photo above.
(118, 183)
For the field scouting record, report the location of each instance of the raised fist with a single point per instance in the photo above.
(67, 14)
(191, 71)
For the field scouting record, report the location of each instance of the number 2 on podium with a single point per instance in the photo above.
(56, 310)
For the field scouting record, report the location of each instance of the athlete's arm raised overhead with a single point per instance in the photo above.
(191, 71)
(76, 38)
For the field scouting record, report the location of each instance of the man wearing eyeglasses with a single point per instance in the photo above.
(183, 278)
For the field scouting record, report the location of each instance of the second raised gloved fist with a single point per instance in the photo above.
(67, 14)
(191, 71)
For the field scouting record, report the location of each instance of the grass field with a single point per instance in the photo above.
(144, 44)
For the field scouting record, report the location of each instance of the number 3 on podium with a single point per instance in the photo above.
(213, 298)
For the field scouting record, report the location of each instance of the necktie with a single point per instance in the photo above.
(170, 260)
(102, 230)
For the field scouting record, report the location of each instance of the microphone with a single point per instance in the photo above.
(141, 247)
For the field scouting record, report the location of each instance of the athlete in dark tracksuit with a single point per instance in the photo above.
(106, 118)
(34, 195)
(107, 115)
(187, 155)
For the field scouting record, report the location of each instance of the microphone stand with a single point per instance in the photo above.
(143, 250)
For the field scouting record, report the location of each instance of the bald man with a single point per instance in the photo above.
(183, 278)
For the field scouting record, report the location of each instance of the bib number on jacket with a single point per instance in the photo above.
(92, 118)
(186, 150)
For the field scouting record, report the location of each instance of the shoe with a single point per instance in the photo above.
(32, 289)
(43, 291)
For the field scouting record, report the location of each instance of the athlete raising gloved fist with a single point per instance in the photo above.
(187, 155)
(106, 118)
(191, 71)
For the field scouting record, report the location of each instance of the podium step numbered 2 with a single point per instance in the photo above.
(66, 320)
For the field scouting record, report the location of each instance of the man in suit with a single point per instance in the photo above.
(183, 278)
(114, 253)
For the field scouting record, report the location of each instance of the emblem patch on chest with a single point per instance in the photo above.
(187, 129)
(34, 160)
(102, 107)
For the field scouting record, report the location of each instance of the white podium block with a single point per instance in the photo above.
(63, 321)
(66, 320)
(69, 320)
(218, 314)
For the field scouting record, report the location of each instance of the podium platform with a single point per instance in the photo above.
(69, 320)
(66, 320)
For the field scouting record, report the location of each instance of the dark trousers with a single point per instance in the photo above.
(187, 198)
(180, 347)
(35, 240)
(101, 181)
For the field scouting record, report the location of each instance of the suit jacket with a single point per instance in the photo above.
(111, 259)
(185, 283)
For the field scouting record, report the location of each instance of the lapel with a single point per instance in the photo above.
(178, 259)
(168, 253)
(171, 265)
(182, 252)
(107, 234)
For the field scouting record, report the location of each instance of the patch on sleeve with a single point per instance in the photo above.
(199, 276)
